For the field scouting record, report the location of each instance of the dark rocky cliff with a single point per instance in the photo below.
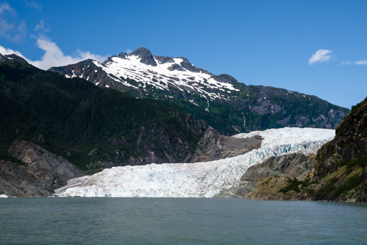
(41, 173)
(345, 158)
(337, 173)
(265, 181)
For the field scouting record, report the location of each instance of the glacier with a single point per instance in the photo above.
(202, 179)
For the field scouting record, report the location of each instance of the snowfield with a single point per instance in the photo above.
(202, 179)
(162, 76)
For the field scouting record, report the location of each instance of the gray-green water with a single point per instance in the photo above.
(179, 221)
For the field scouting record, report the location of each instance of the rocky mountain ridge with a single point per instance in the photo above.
(224, 103)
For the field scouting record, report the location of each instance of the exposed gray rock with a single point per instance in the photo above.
(43, 172)
(292, 165)
(214, 146)
(188, 66)
(145, 56)
(225, 78)
(164, 59)
(12, 57)
(122, 55)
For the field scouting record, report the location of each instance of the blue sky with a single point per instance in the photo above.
(313, 47)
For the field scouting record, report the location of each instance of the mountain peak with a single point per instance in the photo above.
(122, 55)
(145, 56)
(12, 57)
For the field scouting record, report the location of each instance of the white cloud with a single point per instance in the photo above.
(12, 31)
(128, 51)
(361, 62)
(55, 57)
(322, 55)
(345, 63)
(32, 4)
(41, 26)
(6, 51)
(5, 7)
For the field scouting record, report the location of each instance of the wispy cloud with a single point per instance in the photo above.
(6, 51)
(9, 27)
(361, 62)
(128, 51)
(5, 7)
(33, 4)
(40, 27)
(55, 57)
(322, 55)
(345, 63)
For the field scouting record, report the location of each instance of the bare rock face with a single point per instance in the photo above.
(17, 181)
(293, 165)
(43, 172)
(214, 146)
(263, 181)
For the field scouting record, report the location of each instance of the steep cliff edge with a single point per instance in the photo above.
(214, 146)
(337, 173)
(41, 173)
(343, 161)
(265, 181)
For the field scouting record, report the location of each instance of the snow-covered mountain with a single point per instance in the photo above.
(221, 101)
(203, 179)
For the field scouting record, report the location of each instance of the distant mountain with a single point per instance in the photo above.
(12, 57)
(94, 127)
(224, 103)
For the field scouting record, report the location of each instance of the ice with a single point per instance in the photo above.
(274, 137)
(3, 196)
(202, 179)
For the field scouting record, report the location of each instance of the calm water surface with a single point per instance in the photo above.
(179, 221)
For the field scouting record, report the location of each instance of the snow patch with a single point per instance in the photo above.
(161, 77)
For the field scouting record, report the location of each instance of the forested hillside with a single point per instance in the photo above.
(90, 126)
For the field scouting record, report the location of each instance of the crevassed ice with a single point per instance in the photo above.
(202, 179)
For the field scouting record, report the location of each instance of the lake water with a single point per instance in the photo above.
(179, 221)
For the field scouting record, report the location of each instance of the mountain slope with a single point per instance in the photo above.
(337, 173)
(223, 102)
(95, 128)
(41, 174)
(342, 163)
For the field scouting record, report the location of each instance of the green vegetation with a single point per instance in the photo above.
(352, 163)
(351, 183)
(227, 116)
(356, 107)
(334, 180)
(293, 184)
(325, 189)
(73, 115)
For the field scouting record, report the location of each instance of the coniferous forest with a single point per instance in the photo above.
(71, 117)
